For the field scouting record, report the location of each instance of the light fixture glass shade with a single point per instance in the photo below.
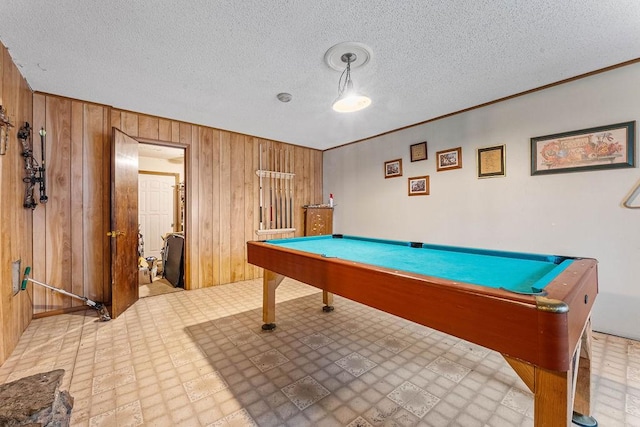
(348, 99)
(350, 102)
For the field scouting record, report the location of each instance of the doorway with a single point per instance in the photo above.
(161, 206)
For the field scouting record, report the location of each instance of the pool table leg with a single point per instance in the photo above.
(582, 403)
(270, 282)
(582, 388)
(560, 395)
(551, 392)
(327, 300)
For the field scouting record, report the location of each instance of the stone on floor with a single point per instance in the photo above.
(36, 401)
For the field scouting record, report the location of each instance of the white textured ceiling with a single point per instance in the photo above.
(221, 63)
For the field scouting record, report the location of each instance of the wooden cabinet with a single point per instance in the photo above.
(318, 220)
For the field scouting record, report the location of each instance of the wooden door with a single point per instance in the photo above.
(124, 222)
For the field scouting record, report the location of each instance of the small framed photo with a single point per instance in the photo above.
(603, 147)
(449, 159)
(393, 168)
(419, 151)
(491, 162)
(419, 186)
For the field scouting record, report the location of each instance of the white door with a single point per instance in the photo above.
(156, 207)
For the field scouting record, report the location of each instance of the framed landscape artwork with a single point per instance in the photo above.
(603, 147)
(393, 168)
(449, 159)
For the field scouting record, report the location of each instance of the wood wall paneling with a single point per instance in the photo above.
(148, 127)
(192, 223)
(129, 123)
(317, 177)
(103, 140)
(238, 215)
(222, 197)
(175, 131)
(70, 233)
(6, 205)
(15, 220)
(251, 200)
(5, 256)
(301, 194)
(65, 240)
(116, 119)
(25, 223)
(96, 163)
(3, 52)
(224, 209)
(164, 130)
(77, 205)
(185, 133)
(205, 201)
(39, 216)
(58, 213)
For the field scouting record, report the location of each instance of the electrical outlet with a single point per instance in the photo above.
(15, 276)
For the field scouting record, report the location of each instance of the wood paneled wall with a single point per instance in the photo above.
(15, 220)
(65, 240)
(70, 247)
(222, 191)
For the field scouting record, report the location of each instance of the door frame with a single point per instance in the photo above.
(187, 196)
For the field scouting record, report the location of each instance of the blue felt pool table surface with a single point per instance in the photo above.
(514, 271)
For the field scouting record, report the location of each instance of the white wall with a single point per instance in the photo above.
(576, 214)
(151, 164)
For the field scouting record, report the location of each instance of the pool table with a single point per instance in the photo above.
(533, 309)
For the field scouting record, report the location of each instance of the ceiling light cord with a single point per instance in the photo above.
(348, 84)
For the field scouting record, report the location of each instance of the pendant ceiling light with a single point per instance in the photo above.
(349, 100)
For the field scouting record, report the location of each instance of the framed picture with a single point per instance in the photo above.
(491, 161)
(393, 168)
(419, 151)
(604, 147)
(449, 159)
(418, 186)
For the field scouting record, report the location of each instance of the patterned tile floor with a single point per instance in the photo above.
(200, 358)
